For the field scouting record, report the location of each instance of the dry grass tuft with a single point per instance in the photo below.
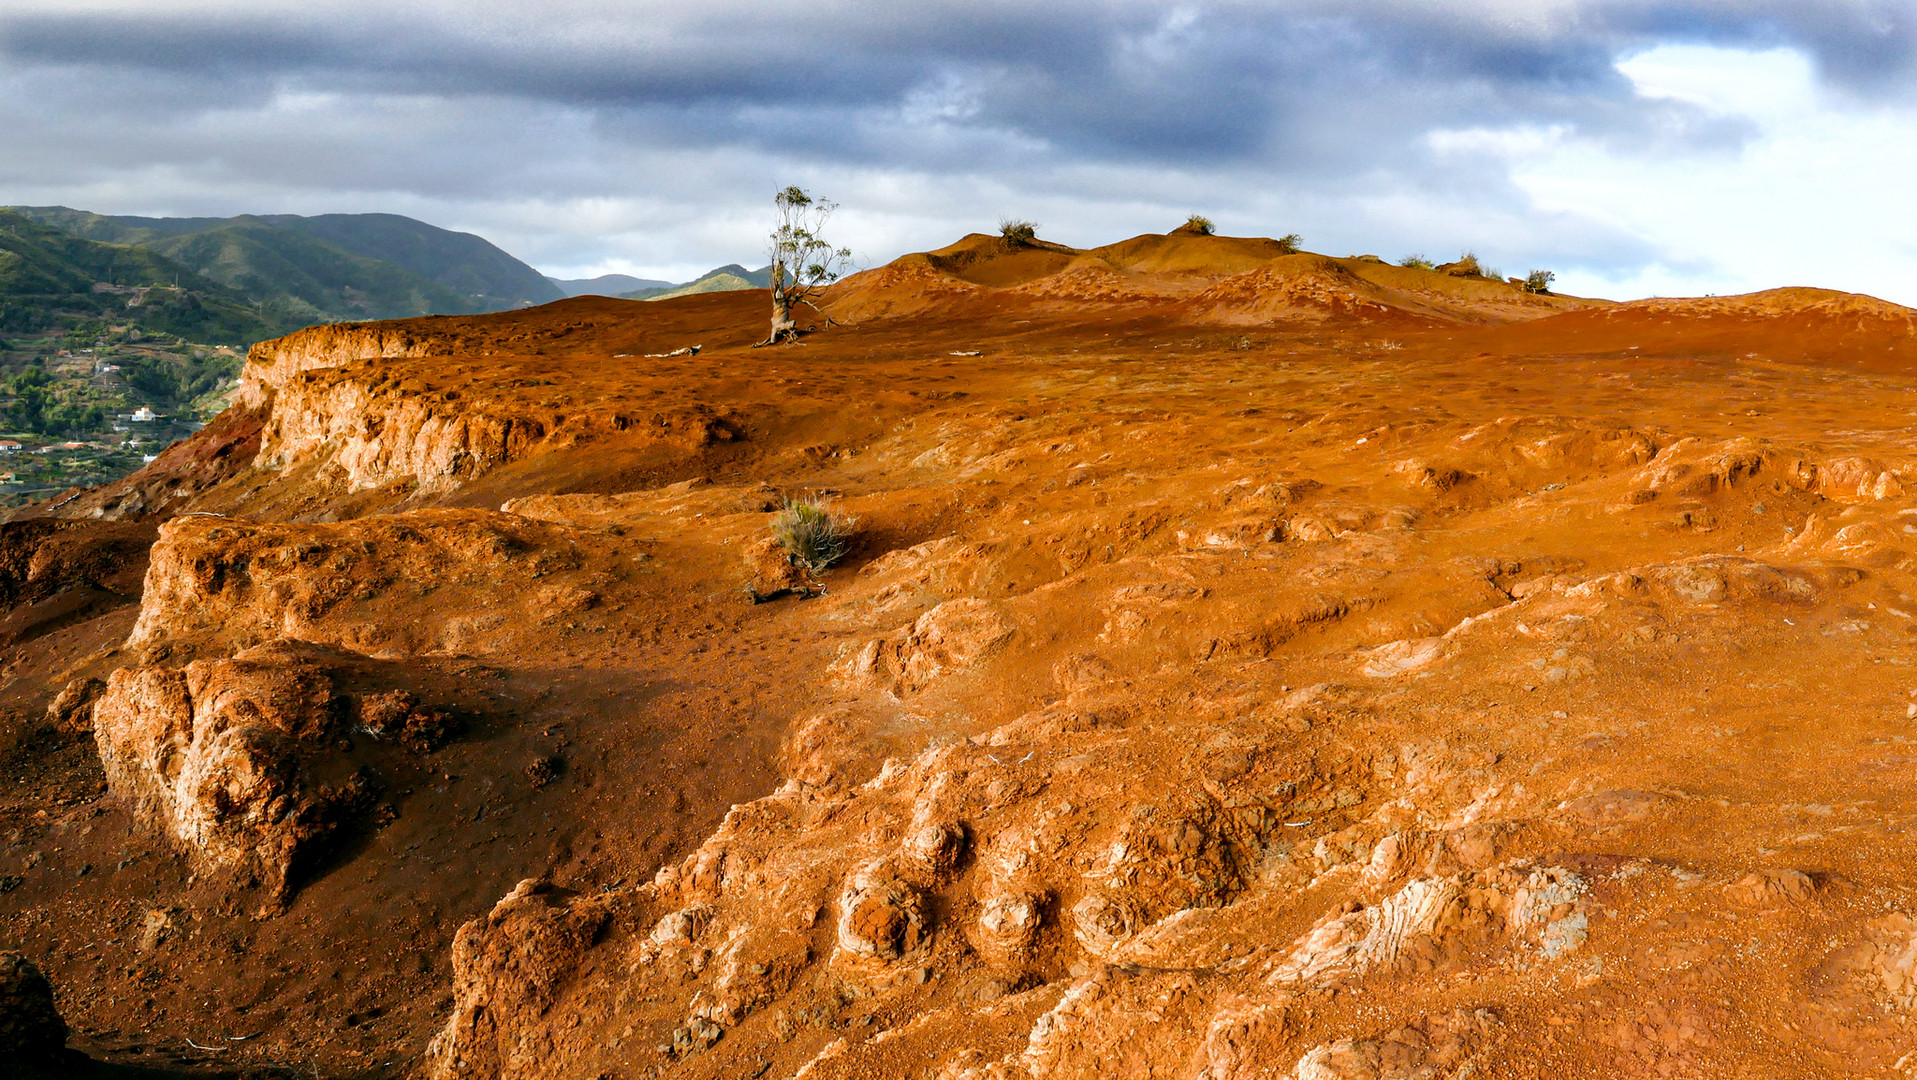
(813, 532)
(1017, 232)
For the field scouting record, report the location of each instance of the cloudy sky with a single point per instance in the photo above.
(1636, 147)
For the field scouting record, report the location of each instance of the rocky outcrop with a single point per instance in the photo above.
(1429, 915)
(218, 754)
(72, 708)
(327, 401)
(1432, 1047)
(955, 636)
(362, 430)
(270, 364)
(390, 586)
(369, 439)
(1699, 468)
(256, 764)
(508, 969)
(257, 756)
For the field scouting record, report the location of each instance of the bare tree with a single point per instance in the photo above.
(802, 261)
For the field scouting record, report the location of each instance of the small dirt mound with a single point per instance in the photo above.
(910, 285)
(996, 262)
(1300, 289)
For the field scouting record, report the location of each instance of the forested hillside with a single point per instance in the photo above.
(329, 268)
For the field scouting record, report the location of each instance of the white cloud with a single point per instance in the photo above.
(1512, 143)
(1818, 195)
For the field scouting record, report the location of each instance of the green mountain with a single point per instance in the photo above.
(54, 280)
(467, 264)
(329, 268)
(728, 278)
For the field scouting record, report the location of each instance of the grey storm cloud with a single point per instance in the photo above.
(568, 99)
(1210, 82)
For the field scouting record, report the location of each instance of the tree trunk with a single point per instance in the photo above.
(783, 328)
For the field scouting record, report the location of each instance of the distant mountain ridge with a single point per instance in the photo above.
(254, 276)
(608, 285)
(727, 278)
(624, 287)
(326, 268)
(48, 278)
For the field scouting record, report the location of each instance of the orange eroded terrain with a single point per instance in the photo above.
(1247, 664)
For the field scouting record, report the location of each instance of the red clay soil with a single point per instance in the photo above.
(1262, 666)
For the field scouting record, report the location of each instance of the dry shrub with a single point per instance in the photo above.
(1017, 232)
(813, 532)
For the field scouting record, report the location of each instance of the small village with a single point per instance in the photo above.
(74, 415)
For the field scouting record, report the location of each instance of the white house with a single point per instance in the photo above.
(145, 415)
